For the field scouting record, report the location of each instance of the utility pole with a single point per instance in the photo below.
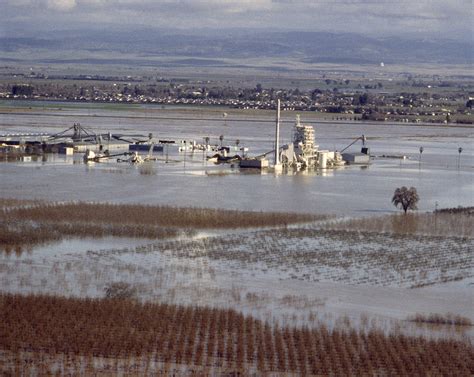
(206, 139)
(185, 154)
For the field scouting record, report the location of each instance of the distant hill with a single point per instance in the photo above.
(309, 47)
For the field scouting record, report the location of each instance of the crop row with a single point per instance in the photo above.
(215, 338)
(24, 225)
(450, 222)
(338, 255)
(440, 319)
(166, 216)
(17, 236)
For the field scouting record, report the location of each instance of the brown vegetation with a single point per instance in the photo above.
(36, 222)
(166, 216)
(17, 234)
(9, 203)
(441, 319)
(463, 210)
(65, 335)
(439, 223)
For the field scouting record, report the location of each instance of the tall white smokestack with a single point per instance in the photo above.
(277, 136)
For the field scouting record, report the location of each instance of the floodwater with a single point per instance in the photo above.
(443, 177)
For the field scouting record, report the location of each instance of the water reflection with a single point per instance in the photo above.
(70, 245)
(18, 250)
(348, 190)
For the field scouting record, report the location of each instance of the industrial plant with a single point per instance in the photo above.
(301, 153)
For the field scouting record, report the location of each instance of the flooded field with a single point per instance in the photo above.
(297, 275)
(188, 180)
(314, 272)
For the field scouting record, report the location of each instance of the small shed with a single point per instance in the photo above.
(356, 158)
(253, 163)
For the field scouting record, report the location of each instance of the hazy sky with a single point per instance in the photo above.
(449, 18)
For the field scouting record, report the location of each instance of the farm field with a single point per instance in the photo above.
(310, 273)
(51, 335)
(271, 188)
(315, 272)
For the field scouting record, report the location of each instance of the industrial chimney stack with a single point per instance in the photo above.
(277, 164)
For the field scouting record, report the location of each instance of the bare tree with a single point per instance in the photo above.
(120, 290)
(406, 198)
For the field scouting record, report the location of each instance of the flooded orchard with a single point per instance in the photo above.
(322, 271)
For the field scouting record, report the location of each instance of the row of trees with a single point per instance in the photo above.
(225, 341)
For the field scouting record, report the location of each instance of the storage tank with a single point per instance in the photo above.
(323, 159)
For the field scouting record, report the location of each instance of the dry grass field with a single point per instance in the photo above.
(48, 335)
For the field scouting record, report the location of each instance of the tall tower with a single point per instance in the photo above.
(303, 138)
(277, 164)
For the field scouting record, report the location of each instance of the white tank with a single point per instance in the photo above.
(89, 155)
(323, 160)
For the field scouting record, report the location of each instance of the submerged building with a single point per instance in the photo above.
(304, 153)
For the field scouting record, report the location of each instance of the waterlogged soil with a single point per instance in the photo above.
(270, 274)
(186, 179)
(309, 278)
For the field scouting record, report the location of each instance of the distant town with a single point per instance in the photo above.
(409, 100)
